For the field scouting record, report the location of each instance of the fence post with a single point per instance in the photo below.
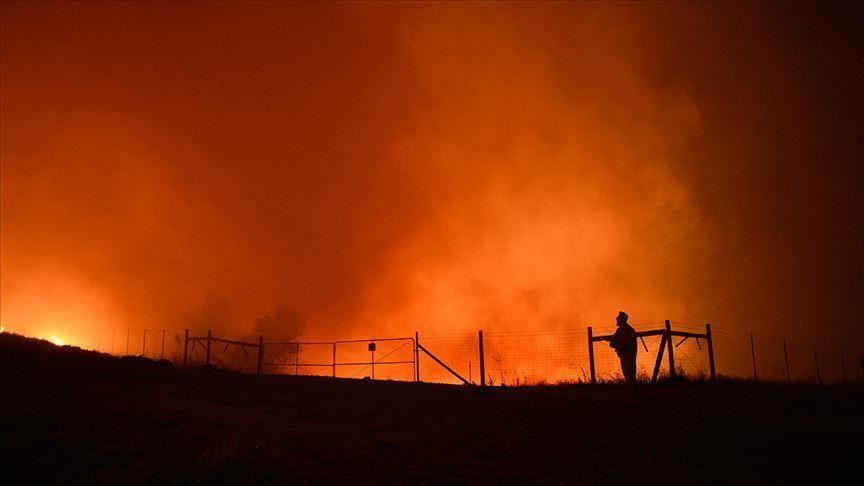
(334, 359)
(162, 353)
(710, 352)
(260, 355)
(482, 359)
(659, 360)
(417, 356)
(816, 359)
(591, 354)
(186, 349)
(753, 354)
(843, 365)
(671, 348)
(209, 339)
(373, 359)
(144, 343)
(786, 360)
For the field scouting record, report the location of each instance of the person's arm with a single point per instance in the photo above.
(615, 342)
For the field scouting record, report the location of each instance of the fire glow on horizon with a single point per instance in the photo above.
(52, 338)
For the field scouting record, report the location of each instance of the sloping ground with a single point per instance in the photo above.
(68, 415)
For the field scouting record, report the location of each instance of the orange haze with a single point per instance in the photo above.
(382, 168)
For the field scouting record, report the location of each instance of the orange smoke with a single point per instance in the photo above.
(379, 169)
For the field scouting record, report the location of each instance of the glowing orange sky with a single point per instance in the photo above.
(382, 168)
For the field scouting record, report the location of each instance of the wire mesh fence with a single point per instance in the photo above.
(460, 351)
(510, 357)
(153, 343)
(557, 357)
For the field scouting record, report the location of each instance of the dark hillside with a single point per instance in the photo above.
(70, 416)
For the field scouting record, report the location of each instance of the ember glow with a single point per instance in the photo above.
(51, 338)
(438, 167)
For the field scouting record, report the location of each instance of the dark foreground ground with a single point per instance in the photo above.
(71, 416)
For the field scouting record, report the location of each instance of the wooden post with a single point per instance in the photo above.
(260, 355)
(334, 360)
(209, 341)
(417, 356)
(162, 353)
(659, 360)
(671, 350)
(186, 349)
(786, 360)
(482, 359)
(843, 365)
(753, 354)
(710, 352)
(144, 343)
(816, 359)
(591, 355)
(373, 359)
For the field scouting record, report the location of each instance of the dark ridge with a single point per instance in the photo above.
(20, 355)
(70, 415)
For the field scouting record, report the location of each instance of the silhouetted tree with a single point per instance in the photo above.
(282, 325)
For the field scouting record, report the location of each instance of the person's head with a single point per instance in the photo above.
(621, 319)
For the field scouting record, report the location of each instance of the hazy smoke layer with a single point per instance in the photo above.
(385, 168)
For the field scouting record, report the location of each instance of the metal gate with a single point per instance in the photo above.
(345, 358)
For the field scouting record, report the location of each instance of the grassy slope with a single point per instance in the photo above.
(69, 415)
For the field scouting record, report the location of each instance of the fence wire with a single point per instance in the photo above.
(460, 351)
(511, 357)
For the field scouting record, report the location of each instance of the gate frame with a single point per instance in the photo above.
(209, 340)
(334, 363)
(666, 341)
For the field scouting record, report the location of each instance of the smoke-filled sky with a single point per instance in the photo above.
(381, 168)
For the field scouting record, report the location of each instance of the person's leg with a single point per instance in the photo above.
(625, 366)
(628, 365)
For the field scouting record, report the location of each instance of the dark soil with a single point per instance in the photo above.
(68, 415)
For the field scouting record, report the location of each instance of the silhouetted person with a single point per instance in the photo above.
(624, 343)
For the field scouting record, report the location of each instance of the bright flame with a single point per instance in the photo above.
(79, 314)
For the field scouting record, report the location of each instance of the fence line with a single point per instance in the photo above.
(509, 357)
